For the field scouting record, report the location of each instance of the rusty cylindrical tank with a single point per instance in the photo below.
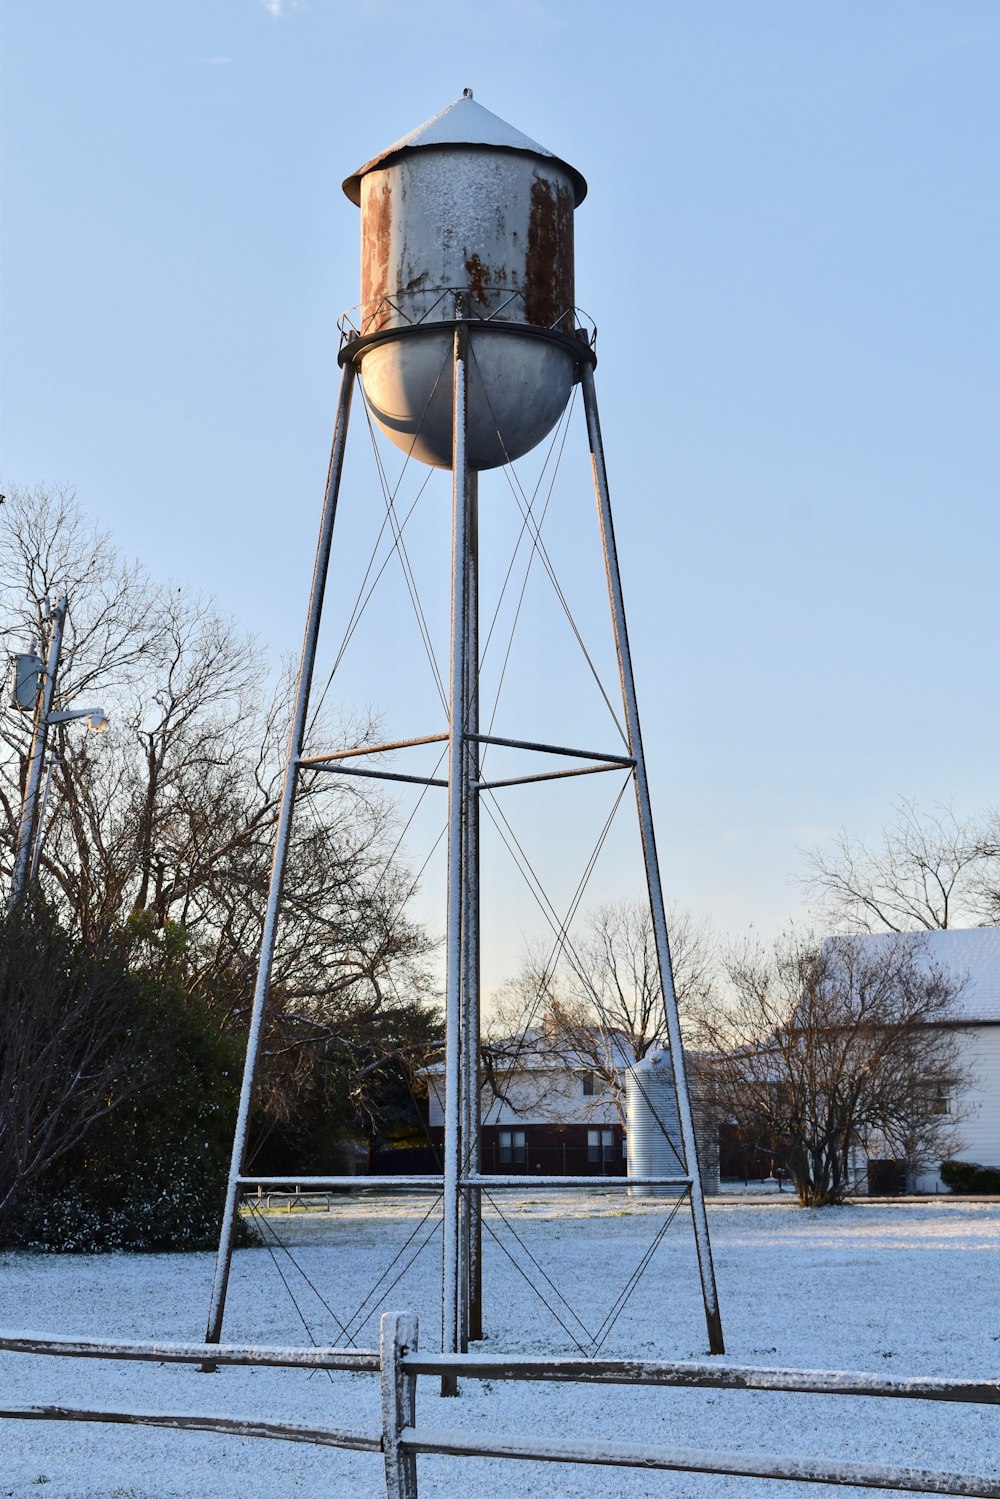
(466, 218)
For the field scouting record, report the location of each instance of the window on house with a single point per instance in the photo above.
(940, 1102)
(589, 1085)
(600, 1147)
(513, 1147)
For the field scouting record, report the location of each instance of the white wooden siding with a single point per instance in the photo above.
(979, 1131)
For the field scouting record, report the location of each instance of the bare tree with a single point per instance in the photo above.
(48, 547)
(931, 869)
(601, 1009)
(987, 879)
(614, 972)
(839, 1049)
(169, 818)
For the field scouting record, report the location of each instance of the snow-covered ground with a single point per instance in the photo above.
(906, 1290)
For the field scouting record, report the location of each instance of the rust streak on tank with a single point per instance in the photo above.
(479, 280)
(376, 243)
(549, 263)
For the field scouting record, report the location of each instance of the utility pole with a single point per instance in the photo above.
(36, 755)
(26, 691)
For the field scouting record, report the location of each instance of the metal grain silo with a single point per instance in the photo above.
(654, 1126)
(654, 1130)
(466, 218)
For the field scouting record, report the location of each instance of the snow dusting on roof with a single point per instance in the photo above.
(464, 123)
(971, 955)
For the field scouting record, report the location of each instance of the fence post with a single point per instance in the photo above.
(398, 1335)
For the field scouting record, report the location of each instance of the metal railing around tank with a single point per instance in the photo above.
(400, 1440)
(484, 304)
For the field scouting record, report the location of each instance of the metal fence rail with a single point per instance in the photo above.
(730, 1464)
(705, 1376)
(351, 1360)
(227, 1426)
(399, 1364)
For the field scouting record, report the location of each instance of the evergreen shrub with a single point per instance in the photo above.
(970, 1176)
(151, 1173)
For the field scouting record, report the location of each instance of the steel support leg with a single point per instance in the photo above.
(281, 841)
(450, 1334)
(472, 1301)
(699, 1216)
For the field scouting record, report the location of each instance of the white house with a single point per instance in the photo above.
(544, 1111)
(973, 958)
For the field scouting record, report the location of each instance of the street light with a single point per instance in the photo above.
(34, 687)
(98, 718)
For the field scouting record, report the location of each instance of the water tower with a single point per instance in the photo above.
(468, 345)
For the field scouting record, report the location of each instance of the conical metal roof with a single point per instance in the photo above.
(464, 123)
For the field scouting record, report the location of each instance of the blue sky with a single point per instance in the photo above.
(790, 247)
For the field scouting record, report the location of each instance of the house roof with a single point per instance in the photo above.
(534, 1051)
(972, 955)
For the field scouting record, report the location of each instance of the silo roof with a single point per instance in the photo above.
(464, 123)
